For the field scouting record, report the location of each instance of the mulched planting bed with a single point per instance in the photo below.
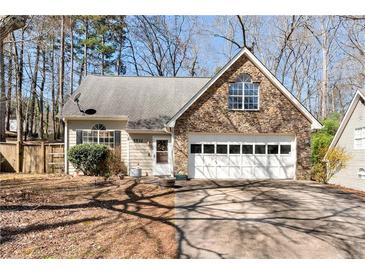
(84, 217)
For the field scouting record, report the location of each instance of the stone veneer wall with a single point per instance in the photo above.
(210, 114)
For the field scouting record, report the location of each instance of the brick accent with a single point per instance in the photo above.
(210, 114)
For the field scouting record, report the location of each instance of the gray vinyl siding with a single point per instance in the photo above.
(73, 125)
(348, 176)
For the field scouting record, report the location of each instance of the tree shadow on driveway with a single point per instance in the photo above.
(237, 219)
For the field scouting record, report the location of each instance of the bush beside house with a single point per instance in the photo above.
(95, 159)
(322, 171)
(91, 159)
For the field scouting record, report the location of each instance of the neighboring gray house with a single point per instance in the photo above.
(351, 137)
(241, 123)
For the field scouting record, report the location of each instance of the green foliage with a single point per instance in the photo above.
(91, 159)
(322, 139)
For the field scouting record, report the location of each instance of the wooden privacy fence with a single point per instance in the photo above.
(32, 157)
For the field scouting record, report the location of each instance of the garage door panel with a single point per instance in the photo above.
(209, 160)
(210, 172)
(248, 173)
(274, 160)
(260, 160)
(234, 172)
(286, 160)
(222, 160)
(197, 159)
(234, 160)
(248, 160)
(199, 172)
(261, 173)
(223, 172)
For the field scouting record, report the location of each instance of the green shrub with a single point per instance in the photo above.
(91, 159)
(322, 139)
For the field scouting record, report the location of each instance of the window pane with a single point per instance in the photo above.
(251, 103)
(260, 149)
(162, 157)
(247, 149)
(285, 149)
(208, 148)
(235, 102)
(235, 89)
(273, 149)
(161, 145)
(234, 149)
(222, 149)
(195, 148)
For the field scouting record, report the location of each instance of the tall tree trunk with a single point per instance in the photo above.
(102, 56)
(324, 89)
(119, 60)
(61, 75)
(41, 99)
(10, 87)
(53, 90)
(19, 60)
(3, 94)
(85, 46)
(72, 56)
(34, 91)
(47, 123)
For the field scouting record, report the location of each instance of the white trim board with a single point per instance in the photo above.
(315, 123)
(345, 120)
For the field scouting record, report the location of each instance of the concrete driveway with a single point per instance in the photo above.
(268, 219)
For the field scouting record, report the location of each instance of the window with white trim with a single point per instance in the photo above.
(361, 173)
(243, 94)
(359, 138)
(103, 137)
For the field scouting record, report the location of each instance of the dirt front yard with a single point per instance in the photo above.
(84, 217)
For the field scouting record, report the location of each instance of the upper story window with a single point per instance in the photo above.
(243, 94)
(359, 138)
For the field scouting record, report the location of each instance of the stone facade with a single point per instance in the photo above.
(210, 114)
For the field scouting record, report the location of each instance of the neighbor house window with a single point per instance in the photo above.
(243, 94)
(98, 135)
(359, 140)
(361, 173)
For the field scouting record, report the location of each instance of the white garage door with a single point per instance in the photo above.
(238, 156)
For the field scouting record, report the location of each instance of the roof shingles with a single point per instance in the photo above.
(149, 102)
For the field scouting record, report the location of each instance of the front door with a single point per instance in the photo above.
(162, 160)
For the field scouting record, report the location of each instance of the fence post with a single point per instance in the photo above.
(18, 160)
(43, 153)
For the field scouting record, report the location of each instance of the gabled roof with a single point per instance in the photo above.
(147, 102)
(358, 95)
(246, 52)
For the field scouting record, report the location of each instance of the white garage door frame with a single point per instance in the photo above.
(242, 166)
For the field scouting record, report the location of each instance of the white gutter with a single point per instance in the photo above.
(92, 117)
